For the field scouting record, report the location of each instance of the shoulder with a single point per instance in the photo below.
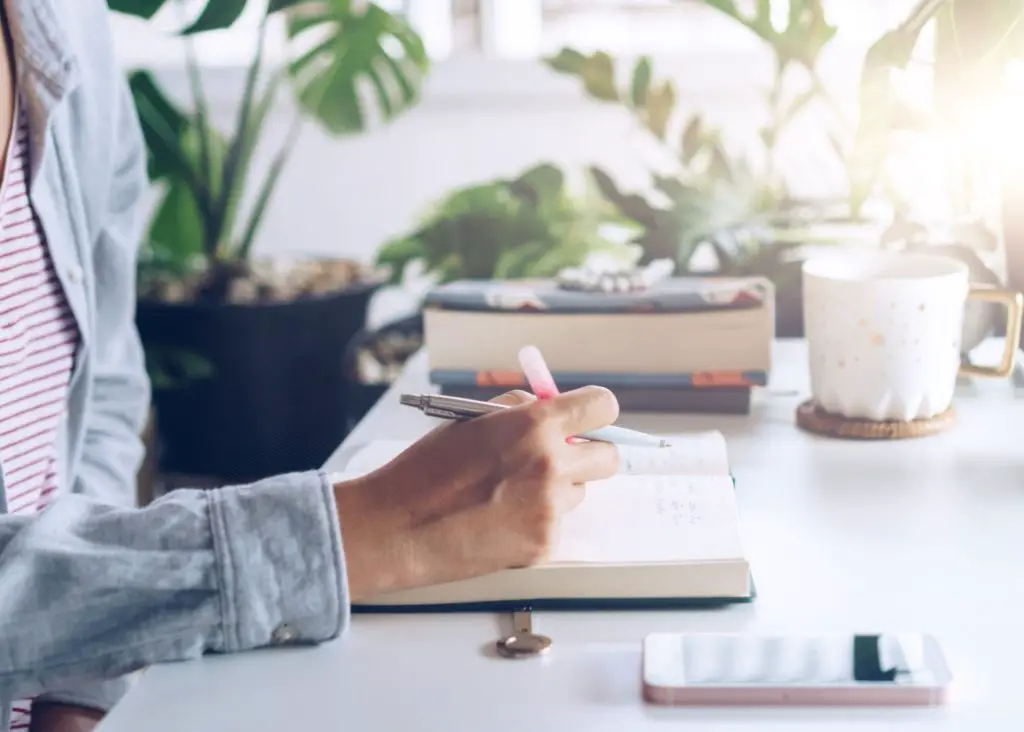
(86, 29)
(95, 125)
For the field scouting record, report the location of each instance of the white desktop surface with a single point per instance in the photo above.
(918, 535)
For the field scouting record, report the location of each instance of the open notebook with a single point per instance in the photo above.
(664, 532)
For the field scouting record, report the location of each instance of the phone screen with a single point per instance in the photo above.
(740, 659)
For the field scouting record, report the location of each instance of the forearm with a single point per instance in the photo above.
(93, 591)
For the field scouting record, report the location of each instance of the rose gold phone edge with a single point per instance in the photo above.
(794, 695)
(845, 695)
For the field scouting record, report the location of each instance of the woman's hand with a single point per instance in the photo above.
(474, 497)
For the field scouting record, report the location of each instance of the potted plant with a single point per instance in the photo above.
(718, 212)
(968, 218)
(530, 225)
(245, 353)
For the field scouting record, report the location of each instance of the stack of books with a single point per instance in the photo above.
(695, 345)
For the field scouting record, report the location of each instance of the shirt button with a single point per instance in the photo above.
(282, 635)
(74, 273)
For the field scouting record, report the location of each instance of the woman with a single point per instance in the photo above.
(91, 588)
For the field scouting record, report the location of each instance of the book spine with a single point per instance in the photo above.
(573, 379)
(681, 296)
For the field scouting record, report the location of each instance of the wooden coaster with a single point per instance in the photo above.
(814, 419)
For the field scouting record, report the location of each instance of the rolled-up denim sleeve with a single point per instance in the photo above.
(93, 591)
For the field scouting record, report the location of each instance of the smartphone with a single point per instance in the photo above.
(725, 669)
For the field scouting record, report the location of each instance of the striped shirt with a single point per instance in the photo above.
(38, 338)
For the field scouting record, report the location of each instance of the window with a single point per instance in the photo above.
(516, 28)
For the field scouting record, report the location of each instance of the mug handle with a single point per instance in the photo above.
(1014, 303)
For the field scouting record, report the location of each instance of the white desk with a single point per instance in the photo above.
(918, 535)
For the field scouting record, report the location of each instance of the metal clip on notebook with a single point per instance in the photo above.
(523, 643)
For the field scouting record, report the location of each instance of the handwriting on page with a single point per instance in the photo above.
(680, 510)
(700, 453)
(653, 518)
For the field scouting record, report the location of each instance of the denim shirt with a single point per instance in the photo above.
(94, 588)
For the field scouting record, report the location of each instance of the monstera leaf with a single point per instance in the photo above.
(144, 9)
(215, 15)
(360, 47)
(343, 48)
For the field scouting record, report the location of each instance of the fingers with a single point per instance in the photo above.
(586, 408)
(580, 464)
(587, 461)
(514, 398)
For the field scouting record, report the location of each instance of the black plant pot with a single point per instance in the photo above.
(275, 401)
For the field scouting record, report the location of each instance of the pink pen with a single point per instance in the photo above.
(539, 377)
(537, 373)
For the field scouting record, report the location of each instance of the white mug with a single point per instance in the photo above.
(884, 330)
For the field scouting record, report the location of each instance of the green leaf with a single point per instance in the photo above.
(450, 268)
(274, 6)
(631, 206)
(255, 123)
(806, 35)
(567, 61)
(235, 167)
(661, 102)
(599, 77)
(891, 51)
(263, 197)
(145, 9)
(162, 125)
(761, 23)
(641, 82)
(726, 6)
(175, 234)
(396, 256)
(597, 72)
(674, 188)
(555, 259)
(719, 166)
(177, 230)
(798, 10)
(538, 184)
(526, 226)
(693, 139)
(217, 14)
(372, 48)
(516, 262)
(166, 133)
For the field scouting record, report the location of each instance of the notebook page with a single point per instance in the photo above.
(652, 518)
(695, 453)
